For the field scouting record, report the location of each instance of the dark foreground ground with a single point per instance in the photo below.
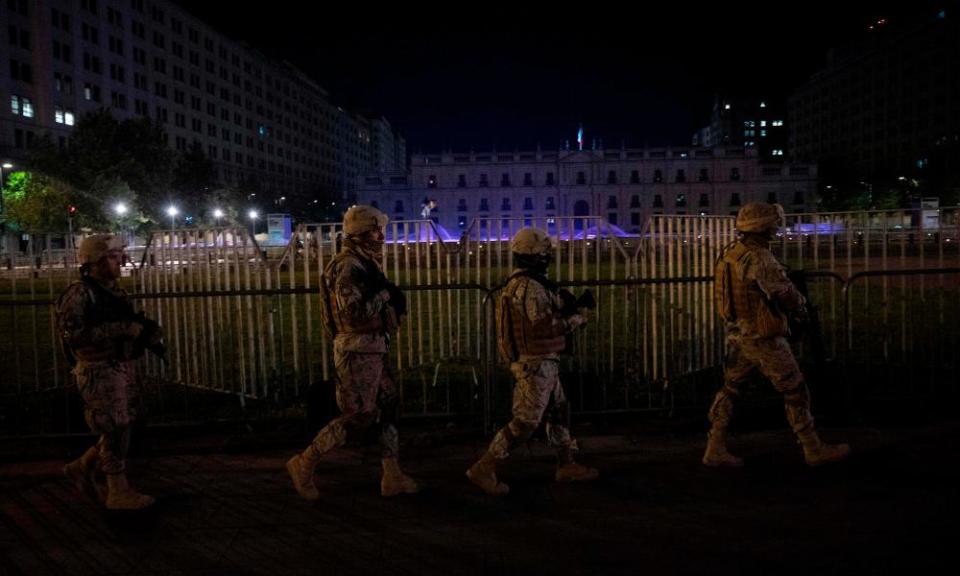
(891, 509)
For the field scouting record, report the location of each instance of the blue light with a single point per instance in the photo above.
(942, 14)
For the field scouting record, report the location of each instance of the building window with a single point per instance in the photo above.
(550, 204)
(612, 203)
(735, 199)
(505, 204)
(681, 175)
(634, 176)
(735, 174)
(658, 201)
(528, 179)
(484, 206)
(704, 200)
(462, 181)
(549, 179)
(635, 201)
(634, 218)
(462, 205)
(776, 152)
(432, 181)
(798, 197)
(658, 176)
(703, 176)
(504, 180)
(461, 222)
(612, 218)
(398, 207)
(21, 106)
(483, 181)
(21, 71)
(681, 200)
(581, 177)
(612, 177)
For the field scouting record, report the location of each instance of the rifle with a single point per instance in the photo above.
(149, 329)
(572, 305)
(809, 324)
(120, 309)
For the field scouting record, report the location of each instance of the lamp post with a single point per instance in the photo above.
(121, 210)
(172, 213)
(3, 223)
(252, 214)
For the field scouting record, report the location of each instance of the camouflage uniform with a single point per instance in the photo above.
(366, 392)
(360, 306)
(104, 372)
(537, 375)
(748, 349)
(754, 297)
(531, 329)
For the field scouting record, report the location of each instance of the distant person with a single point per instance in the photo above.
(429, 205)
(755, 298)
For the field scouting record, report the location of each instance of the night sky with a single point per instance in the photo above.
(516, 77)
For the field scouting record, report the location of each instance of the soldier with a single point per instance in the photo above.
(102, 335)
(754, 298)
(531, 329)
(360, 307)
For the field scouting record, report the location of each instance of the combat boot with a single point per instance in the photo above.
(394, 481)
(573, 472)
(121, 496)
(484, 475)
(716, 454)
(818, 453)
(82, 472)
(301, 468)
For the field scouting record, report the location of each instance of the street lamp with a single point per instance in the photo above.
(252, 214)
(3, 224)
(121, 209)
(172, 213)
(217, 215)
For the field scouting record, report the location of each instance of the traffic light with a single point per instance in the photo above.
(71, 210)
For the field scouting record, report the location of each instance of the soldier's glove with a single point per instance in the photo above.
(397, 299)
(575, 321)
(151, 336)
(569, 306)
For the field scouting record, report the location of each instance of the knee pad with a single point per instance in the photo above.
(522, 430)
(798, 396)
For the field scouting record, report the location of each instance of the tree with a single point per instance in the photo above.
(104, 153)
(195, 181)
(38, 203)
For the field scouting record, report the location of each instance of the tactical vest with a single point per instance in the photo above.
(516, 335)
(739, 299)
(103, 307)
(336, 321)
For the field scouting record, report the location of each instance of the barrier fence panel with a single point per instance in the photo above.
(245, 322)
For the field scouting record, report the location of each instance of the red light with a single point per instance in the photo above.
(72, 209)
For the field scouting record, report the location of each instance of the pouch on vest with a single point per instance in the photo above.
(505, 342)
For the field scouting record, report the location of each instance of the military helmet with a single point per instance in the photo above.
(531, 241)
(97, 246)
(360, 219)
(759, 217)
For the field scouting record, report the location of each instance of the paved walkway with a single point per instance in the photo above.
(655, 510)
